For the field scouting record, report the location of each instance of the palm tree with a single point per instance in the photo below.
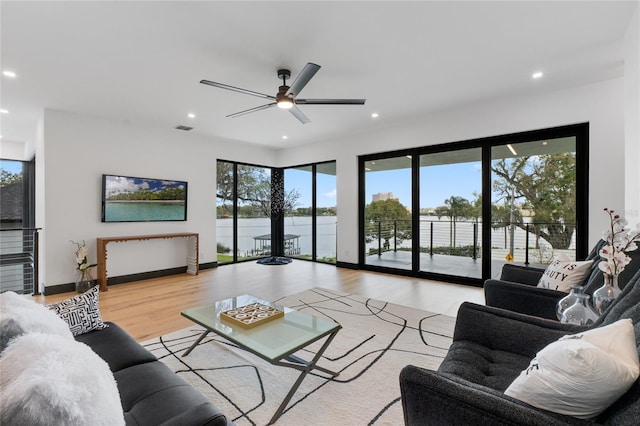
(459, 208)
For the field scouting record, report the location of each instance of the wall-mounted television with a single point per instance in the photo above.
(135, 199)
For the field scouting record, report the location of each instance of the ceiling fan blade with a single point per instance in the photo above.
(297, 113)
(250, 110)
(237, 89)
(303, 78)
(331, 101)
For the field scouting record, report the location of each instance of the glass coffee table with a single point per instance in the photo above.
(275, 341)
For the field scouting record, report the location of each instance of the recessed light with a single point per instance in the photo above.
(285, 137)
(537, 74)
(9, 73)
(4, 111)
(545, 143)
(191, 115)
(375, 115)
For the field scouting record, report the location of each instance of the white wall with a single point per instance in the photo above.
(599, 104)
(10, 150)
(79, 149)
(632, 118)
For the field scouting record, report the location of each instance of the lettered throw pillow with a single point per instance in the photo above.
(582, 374)
(564, 273)
(81, 312)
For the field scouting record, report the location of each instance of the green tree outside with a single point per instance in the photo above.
(388, 220)
(547, 184)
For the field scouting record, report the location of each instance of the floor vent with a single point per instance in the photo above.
(185, 128)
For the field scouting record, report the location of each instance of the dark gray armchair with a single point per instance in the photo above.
(516, 289)
(490, 348)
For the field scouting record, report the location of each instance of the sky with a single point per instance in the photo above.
(301, 180)
(11, 166)
(437, 183)
(119, 184)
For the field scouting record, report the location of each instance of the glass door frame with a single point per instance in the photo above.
(579, 131)
(277, 218)
(314, 206)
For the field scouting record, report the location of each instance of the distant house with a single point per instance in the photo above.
(11, 203)
(381, 196)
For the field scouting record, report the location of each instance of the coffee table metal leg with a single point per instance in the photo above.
(311, 365)
(297, 360)
(196, 343)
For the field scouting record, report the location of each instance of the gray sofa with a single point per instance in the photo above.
(490, 348)
(151, 394)
(516, 289)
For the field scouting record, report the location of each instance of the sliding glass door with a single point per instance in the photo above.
(225, 211)
(243, 224)
(387, 213)
(326, 219)
(298, 212)
(303, 219)
(310, 212)
(533, 202)
(459, 211)
(450, 212)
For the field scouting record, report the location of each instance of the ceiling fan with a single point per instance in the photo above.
(287, 95)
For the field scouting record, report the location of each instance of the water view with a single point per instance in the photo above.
(135, 211)
(249, 229)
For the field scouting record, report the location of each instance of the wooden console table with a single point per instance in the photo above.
(192, 257)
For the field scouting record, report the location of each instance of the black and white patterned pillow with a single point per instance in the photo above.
(81, 312)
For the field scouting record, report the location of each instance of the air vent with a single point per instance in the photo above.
(185, 128)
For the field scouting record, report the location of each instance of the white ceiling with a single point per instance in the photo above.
(141, 62)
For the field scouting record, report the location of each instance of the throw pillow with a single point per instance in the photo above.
(81, 312)
(564, 273)
(49, 380)
(582, 374)
(31, 316)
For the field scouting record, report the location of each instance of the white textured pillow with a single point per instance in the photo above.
(81, 312)
(583, 374)
(564, 273)
(49, 380)
(31, 316)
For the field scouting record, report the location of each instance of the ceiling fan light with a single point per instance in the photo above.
(285, 103)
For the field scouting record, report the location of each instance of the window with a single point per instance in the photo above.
(310, 212)
(387, 212)
(301, 224)
(450, 213)
(459, 211)
(19, 238)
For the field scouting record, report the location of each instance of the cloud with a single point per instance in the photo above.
(120, 184)
(331, 194)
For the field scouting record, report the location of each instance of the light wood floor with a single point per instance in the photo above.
(151, 308)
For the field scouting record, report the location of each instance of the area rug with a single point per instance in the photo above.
(377, 339)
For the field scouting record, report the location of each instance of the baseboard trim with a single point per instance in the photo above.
(347, 265)
(65, 288)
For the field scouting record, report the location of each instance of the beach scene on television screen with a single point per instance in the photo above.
(130, 199)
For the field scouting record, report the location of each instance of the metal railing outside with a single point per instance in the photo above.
(527, 242)
(19, 260)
